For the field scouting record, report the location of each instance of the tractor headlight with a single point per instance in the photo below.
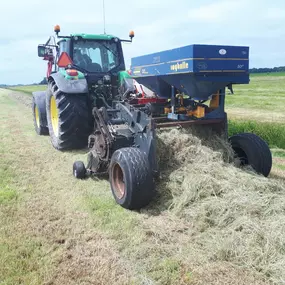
(107, 79)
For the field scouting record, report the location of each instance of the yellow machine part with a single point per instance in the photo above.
(178, 110)
(167, 110)
(181, 110)
(198, 113)
(215, 101)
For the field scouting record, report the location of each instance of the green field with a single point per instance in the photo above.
(28, 89)
(268, 74)
(59, 230)
(261, 100)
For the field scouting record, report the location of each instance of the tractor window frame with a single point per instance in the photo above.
(120, 58)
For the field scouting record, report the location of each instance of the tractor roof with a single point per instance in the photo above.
(94, 36)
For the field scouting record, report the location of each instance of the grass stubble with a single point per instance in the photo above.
(211, 223)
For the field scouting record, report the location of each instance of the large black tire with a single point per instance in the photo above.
(253, 151)
(131, 178)
(69, 119)
(39, 114)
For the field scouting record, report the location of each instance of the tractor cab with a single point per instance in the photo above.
(101, 56)
(93, 55)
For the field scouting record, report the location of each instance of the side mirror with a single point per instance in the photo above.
(42, 51)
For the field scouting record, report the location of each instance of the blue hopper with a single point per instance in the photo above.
(196, 70)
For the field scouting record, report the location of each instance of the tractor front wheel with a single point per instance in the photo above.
(131, 179)
(79, 170)
(251, 150)
(68, 119)
(39, 115)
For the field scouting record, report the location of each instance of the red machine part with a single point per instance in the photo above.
(150, 100)
(146, 96)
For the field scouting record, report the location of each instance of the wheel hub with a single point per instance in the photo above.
(54, 116)
(37, 116)
(118, 181)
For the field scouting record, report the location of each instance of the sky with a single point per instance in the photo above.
(158, 25)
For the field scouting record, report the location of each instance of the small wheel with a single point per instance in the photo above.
(79, 170)
(252, 150)
(131, 179)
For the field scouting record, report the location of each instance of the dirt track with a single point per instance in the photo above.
(85, 237)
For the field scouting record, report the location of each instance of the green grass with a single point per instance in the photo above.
(28, 89)
(264, 94)
(146, 240)
(258, 107)
(281, 166)
(22, 260)
(272, 133)
(7, 192)
(278, 153)
(267, 74)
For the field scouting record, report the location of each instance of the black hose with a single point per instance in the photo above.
(105, 102)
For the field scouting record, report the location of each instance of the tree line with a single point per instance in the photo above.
(267, 70)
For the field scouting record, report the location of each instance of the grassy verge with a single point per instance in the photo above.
(272, 133)
(7, 194)
(278, 152)
(29, 89)
(21, 256)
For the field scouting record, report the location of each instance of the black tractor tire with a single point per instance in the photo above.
(252, 150)
(39, 114)
(79, 170)
(131, 179)
(69, 119)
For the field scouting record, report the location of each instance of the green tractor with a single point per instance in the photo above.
(84, 70)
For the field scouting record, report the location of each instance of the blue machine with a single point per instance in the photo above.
(198, 71)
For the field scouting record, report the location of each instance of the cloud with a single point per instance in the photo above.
(215, 12)
(275, 14)
(158, 25)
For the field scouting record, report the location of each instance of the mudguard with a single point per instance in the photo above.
(76, 86)
(39, 98)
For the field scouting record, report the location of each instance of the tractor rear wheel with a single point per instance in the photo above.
(131, 179)
(252, 150)
(68, 119)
